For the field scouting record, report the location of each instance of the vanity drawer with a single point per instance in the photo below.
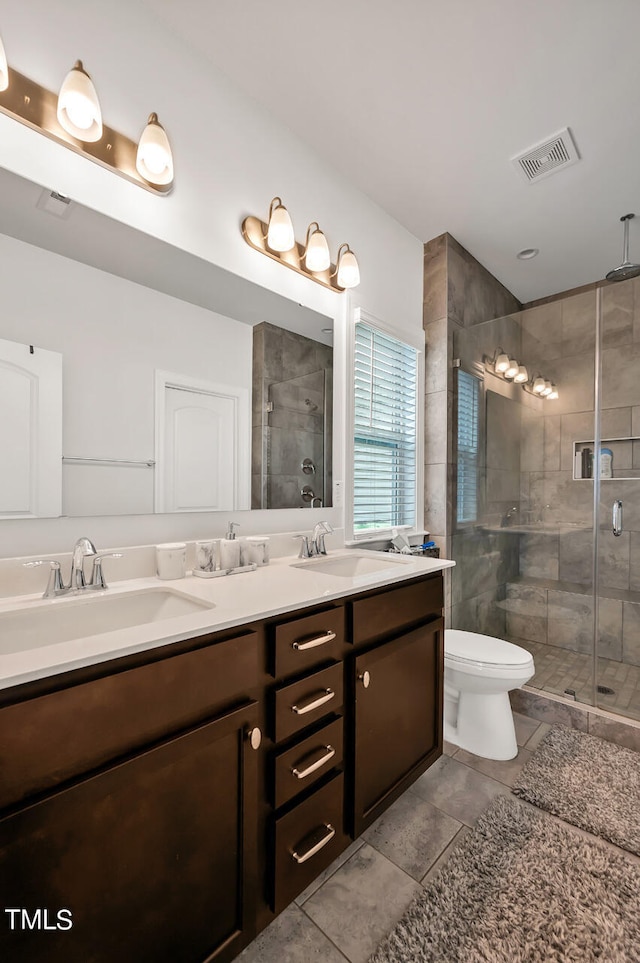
(307, 840)
(49, 739)
(308, 761)
(306, 701)
(379, 615)
(303, 643)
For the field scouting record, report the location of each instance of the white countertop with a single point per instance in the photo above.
(280, 587)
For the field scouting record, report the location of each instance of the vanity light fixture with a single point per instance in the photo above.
(546, 390)
(521, 375)
(538, 385)
(73, 118)
(280, 236)
(512, 369)
(553, 394)
(316, 250)
(4, 70)
(502, 362)
(78, 106)
(312, 259)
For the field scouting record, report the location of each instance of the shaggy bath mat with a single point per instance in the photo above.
(522, 888)
(588, 782)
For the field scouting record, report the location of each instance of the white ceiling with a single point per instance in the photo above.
(422, 103)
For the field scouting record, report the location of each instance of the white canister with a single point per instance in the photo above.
(257, 549)
(171, 560)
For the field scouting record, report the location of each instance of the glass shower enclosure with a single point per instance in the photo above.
(546, 507)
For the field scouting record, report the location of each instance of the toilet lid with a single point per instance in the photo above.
(473, 647)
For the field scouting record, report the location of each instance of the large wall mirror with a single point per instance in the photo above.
(184, 387)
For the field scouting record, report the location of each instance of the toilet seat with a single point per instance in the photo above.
(473, 649)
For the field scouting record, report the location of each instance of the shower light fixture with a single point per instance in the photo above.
(73, 118)
(312, 259)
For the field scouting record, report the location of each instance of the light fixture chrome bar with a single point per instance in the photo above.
(36, 107)
(119, 462)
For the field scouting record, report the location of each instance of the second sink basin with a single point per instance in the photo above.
(351, 566)
(62, 620)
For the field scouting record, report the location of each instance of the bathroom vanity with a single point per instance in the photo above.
(174, 799)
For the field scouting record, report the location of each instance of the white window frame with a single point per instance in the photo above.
(415, 341)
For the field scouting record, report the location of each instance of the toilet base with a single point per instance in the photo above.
(482, 725)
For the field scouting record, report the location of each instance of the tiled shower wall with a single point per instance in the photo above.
(294, 375)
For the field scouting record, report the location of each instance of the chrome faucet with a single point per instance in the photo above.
(84, 548)
(505, 521)
(312, 545)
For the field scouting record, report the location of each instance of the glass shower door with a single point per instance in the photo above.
(617, 467)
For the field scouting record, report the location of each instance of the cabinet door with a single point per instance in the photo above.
(154, 858)
(397, 718)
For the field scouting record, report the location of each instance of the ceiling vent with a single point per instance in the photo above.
(544, 159)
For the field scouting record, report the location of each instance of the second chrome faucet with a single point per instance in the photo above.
(84, 548)
(312, 545)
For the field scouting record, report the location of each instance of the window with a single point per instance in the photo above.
(385, 432)
(468, 446)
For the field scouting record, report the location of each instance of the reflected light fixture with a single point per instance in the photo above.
(512, 369)
(546, 390)
(4, 70)
(316, 251)
(78, 106)
(348, 270)
(312, 259)
(521, 375)
(538, 385)
(280, 236)
(154, 160)
(73, 118)
(502, 363)
(553, 394)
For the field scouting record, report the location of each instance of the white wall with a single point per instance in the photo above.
(230, 159)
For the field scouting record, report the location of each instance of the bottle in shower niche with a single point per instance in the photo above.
(606, 463)
(230, 548)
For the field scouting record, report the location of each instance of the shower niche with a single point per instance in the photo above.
(292, 430)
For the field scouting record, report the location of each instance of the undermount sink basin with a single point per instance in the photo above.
(351, 566)
(64, 619)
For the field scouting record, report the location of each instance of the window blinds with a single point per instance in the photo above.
(468, 405)
(385, 423)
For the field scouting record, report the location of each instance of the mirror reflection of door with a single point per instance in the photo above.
(197, 433)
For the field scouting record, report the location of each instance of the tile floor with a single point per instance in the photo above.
(356, 901)
(560, 669)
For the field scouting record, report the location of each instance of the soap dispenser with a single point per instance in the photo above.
(230, 548)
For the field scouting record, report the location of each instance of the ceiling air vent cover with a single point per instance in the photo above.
(544, 159)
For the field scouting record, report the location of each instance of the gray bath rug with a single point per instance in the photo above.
(588, 782)
(523, 888)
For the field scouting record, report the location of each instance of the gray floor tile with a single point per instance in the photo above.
(538, 736)
(457, 790)
(525, 728)
(360, 903)
(291, 938)
(329, 871)
(412, 834)
(505, 772)
(444, 856)
(448, 748)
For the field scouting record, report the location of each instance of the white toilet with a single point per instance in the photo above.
(479, 673)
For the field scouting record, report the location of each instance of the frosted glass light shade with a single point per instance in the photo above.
(512, 369)
(521, 375)
(348, 270)
(553, 394)
(154, 160)
(547, 389)
(78, 106)
(502, 363)
(538, 386)
(280, 236)
(4, 70)
(316, 255)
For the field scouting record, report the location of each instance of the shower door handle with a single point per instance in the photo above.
(617, 517)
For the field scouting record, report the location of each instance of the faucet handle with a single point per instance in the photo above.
(305, 547)
(97, 575)
(55, 585)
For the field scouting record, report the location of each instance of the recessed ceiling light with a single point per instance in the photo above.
(527, 253)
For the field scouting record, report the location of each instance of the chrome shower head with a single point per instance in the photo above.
(626, 269)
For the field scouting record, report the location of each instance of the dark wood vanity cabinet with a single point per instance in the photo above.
(135, 795)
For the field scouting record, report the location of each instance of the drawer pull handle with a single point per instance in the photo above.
(327, 636)
(365, 678)
(328, 834)
(303, 773)
(326, 696)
